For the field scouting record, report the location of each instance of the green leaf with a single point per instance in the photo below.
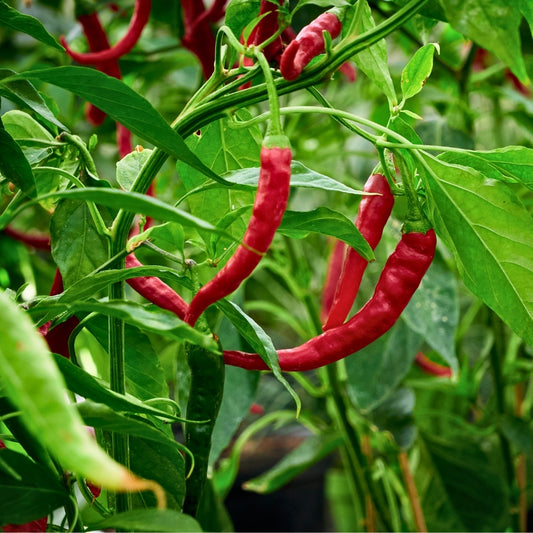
(77, 247)
(298, 224)
(122, 104)
(259, 341)
(434, 311)
(492, 24)
(223, 149)
(129, 167)
(489, 233)
(527, 10)
(23, 93)
(473, 483)
(14, 166)
(33, 493)
(239, 13)
(135, 203)
(312, 450)
(373, 60)
(417, 71)
(20, 125)
(149, 520)
(26, 24)
(375, 371)
(81, 382)
(147, 318)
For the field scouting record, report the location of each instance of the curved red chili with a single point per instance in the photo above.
(37, 241)
(269, 206)
(156, 291)
(400, 278)
(141, 14)
(333, 273)
(373, 213)
(308, 44)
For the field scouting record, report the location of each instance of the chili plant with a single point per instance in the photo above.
(273, 218)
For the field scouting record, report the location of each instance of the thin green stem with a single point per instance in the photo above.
(274, 126)
(87, 158)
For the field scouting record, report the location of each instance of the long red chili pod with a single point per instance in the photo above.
(156, 291)
(269, 206)
(141, 14)
(373, 213)
(430, 367)
(333, 273)
(308, 44)
(399, 279)
(37, 241)
(198, 36)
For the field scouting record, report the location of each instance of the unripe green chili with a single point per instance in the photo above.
(399, 279)
(205, 397)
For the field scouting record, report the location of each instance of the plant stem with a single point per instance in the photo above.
(414, 499)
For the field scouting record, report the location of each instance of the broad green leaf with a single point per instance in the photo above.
(20, 125)
(321, 3)
(301, 176)
(77, 247)
(417, 71)
(434, 311)
(395, 415)
(149, 520)
(146, 318)
(373, 60)
(32, 382)
(101, 416)
(492, 24)
(519, 433)
(135, 203)
(26, 24)
(223, 149)
(129, 167)
(473, 483)
(234, 407)
(526, 7)
(258, 340)
(239, 13)
(375, 371)
(145, 377)
(312, 450)
(298, 224)
(23, 93)
(489, 233)
(81, 382)
(164, 462)
(28, 491)
(122, 104)
(212, 513)
(14, 166)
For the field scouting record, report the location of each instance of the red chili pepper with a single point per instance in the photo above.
(400, 278)
(373, 213)
(336, 260)
(308, 44)
(198, 36)
(36, 525)
(57, 338)
(430, 367)
(37, 241)
(141, 14)
(269, 207)
(156, 291)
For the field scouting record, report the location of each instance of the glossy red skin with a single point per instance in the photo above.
(37, 241)
(308, 44)
(139, 19)
(336, 260)
(373, 213)
(269, 206)
(400, 278)
(156, 291)
(36, 525)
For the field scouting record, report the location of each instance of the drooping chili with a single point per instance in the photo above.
(431, 367)
(269, 206)
(156, 291)
(399, 279)
(141, 14)
(373, 213)
(333, 273)
(308, 44)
